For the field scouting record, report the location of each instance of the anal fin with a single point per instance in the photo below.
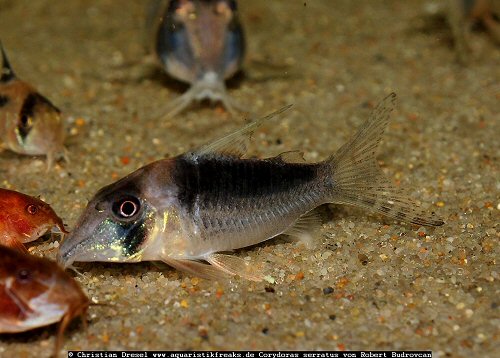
(234, 265)
(304, 225)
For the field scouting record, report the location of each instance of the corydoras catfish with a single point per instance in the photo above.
(24, 218)
(188, 210)
(199, 42)
(463, 14)
(29, 123)
(36, 292)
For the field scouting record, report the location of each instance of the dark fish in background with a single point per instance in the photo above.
(29, 123)
(24, 218)
(36, 292)
(199, 42)
(188, 209)
(462, 14)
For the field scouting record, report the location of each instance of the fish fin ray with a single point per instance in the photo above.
(196, 268)
(197, 92)
(18, 301)
(356, 178)
(63, 324)
(15, 244)
(234, 265)
(236, 143)
(178, 105)
(292, 156)
(304, 224)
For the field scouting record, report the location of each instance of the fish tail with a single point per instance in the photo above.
(356, 178)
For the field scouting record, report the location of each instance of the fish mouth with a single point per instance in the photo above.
(88, 251)
(44, 229)
(85, 251)
(95, 247)
(59, 224)
(76, 245)
(38, 232)
(66, 258)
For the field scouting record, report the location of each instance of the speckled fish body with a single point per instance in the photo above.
(29, 123)
(24, 218)
(200, 42)
(195, 206)
(35, 292)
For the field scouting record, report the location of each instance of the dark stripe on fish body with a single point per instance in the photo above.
(33, 99)
(223, 179)
(135, 238)
(133, 234)
(4, 100)
(28, 107)
(28, 110)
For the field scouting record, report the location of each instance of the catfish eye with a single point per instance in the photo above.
(24, 276)
(32, 209)
(127, 207)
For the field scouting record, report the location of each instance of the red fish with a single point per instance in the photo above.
(35, 292)
(24, 218)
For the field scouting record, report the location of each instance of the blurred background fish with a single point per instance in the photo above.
(29, 123)
(463, 14)
(199, 42)
(36, 292)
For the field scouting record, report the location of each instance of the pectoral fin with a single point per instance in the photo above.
(196, 268)
(19, 301)
(234, 265)
(14, 244)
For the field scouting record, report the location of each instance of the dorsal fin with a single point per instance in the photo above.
(7, 74)
(236, 143)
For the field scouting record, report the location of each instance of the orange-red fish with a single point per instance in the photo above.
(24, 218)
(29, 123)
(35, 292)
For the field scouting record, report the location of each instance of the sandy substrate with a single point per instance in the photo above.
(366, 282)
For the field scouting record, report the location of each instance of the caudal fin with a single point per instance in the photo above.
(358, 180)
